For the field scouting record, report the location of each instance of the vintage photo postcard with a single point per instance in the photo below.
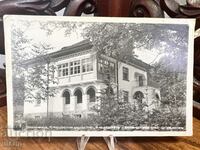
(74, 76)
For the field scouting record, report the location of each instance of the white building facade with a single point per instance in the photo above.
(80, 73)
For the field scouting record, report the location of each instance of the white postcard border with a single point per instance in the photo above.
(189, 99)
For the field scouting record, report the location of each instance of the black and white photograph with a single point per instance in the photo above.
(74, 76)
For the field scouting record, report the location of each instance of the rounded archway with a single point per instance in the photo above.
(138, 96)
(92, 94)
(79, 95)
(66, 95)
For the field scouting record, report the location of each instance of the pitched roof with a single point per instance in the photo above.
(137, 62)
(78, 47)
(86, 45)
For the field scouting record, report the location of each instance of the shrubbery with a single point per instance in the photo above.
(60, 122)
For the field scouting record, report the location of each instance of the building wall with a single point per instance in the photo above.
(75, 108)
(133, 82)
(56, 104)
(77, 78)
(149, 96)
(132, 86)
(85, 80)
(32, 109)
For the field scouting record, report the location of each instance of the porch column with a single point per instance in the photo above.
(85, 102)
(73, 102)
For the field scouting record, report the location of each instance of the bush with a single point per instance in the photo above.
(60, 122)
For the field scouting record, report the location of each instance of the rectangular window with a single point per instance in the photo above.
(71, 68)
(125, 95)
(75, 67)
(106, 70)
(125, 74)
(141, 83)
(87, 65)
(63, 70)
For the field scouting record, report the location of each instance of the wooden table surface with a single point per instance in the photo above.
(149, 143)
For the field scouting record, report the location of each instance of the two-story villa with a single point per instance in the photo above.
(80, 74)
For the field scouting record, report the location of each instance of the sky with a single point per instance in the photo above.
(58, 41)
(147, 56)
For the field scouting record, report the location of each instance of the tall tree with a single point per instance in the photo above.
(122, 39)
(18, 45)
(111, 109)
(170, 43)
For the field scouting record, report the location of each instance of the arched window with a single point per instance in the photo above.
(78, 95)
(138, 96)
(91, 94)
(66, 95)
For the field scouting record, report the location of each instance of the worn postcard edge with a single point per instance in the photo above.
(189, 98)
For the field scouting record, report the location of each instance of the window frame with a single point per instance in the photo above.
(104, 65)
(140, 80)
(125, 73)
(62, 69)
(75, 67)
(126, 96)
(65, 98)
(91, 99)
(87, 64)
(79, 101)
